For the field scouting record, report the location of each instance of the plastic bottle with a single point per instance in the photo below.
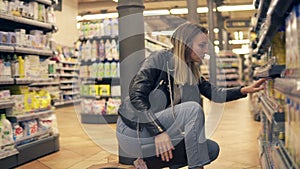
(114, 29)
(107, 69)
(21, 67)
(107, 27)
(108, 50)
(113, 68)
(14, 66)
(101, 50)
(7, 134)
(114, 50)
(88, 50)
(94, 50)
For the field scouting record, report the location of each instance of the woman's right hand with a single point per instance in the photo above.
(164, 146)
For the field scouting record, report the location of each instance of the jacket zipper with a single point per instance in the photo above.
(159, 128)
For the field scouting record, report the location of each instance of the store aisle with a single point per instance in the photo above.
(236, 133)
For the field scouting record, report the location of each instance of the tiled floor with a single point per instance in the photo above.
(234, 130)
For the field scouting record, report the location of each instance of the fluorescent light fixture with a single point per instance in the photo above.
(177, 11)
(202, 10)
(156, 12)
(237, 42)
(241, 51)
(97, 16)
(229, 8)
(115, 0)
(174, 11)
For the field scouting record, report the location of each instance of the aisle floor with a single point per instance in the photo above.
(236, 134)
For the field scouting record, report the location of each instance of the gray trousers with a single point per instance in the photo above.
(186, 122)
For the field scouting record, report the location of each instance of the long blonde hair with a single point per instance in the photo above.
(186, 72)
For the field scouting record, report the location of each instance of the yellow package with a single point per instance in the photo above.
(45, 99)
(104, 90)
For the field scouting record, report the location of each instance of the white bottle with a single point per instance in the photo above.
(88, 50)
(114, 50)
(94, 50)
(107, 27)
(101, 50)
(114, 27)
(108, 53)
(7, 133)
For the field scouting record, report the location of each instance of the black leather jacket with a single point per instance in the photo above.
(149, 93)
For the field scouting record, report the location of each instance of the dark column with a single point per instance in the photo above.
(220, 23)
(132, 49)
(192, 15)
(212, 61)
(131, 40)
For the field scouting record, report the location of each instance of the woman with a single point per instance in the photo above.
(164, 101)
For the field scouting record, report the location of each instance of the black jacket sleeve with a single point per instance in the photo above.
(219, 95)
(141, 86)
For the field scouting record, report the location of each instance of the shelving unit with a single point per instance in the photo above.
(67, 71)
(278, 103)
(19, 42)
(228, 72)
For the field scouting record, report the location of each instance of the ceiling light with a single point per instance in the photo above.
(228, 8)
(216, 30)
(156, 12)
(202, 10)
(177, 11)
(115, 0)
(237, 42)
(97, 16)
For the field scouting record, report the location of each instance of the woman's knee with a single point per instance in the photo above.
(213, 149)
(192, 108)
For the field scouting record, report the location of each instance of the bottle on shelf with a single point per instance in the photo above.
(101, 50)
(21, 67)
(6, 133)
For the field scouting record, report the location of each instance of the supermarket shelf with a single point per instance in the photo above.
(289, 87)
(6, 81)
(262, 13)
(9, 49)
(4, 104)
(36, 135)
(29, 116)
(61, 103)
(67, 81)
(156, 42)
(227, 59)
(103, 80)
(38, 148)
(275, 19)
(70, 93)
(32, 80)
(45, 2)
(98, 118)
(281, 157)
(68, 62)
(5, 154)
(271, 110)
(43, 52)
(68, 75)
(97, 97)
(68, 87)
(24, 23)
(44, 84)
(67, 68)
(272, 71)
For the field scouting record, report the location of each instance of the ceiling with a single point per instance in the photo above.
(168, 21)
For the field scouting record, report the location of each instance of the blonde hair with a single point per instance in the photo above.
(186, 71)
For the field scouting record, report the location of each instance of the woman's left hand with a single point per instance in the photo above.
(255, 87)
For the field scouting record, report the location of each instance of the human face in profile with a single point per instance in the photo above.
(199, 48)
